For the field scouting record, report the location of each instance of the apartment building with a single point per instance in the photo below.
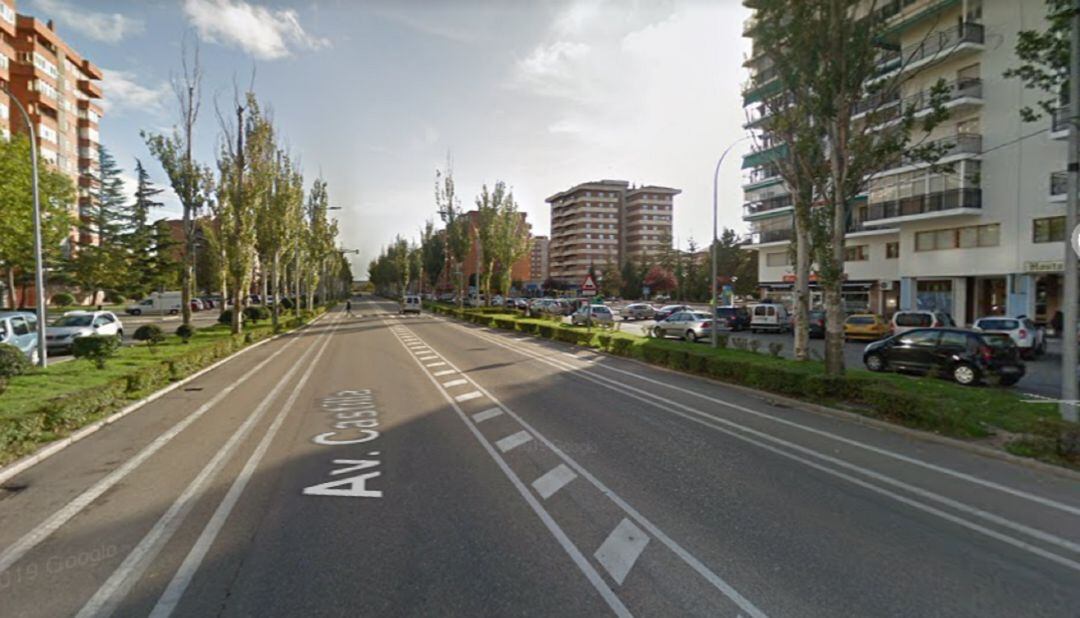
(984, 235)
(607, 221)
(538, 260)
(59, 89)
(519, 272)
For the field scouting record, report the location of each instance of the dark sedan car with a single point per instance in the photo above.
(734, 318)
(816, 323)
(966, 356)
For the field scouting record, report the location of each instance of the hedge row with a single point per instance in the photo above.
(58, 416)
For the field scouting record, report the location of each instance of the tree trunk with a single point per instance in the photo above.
(11, 287)
(801, 292)
(238, 310)
(275, 280)
(834, 308)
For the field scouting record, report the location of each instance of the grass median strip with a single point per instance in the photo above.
(44, 405)
(998, 416)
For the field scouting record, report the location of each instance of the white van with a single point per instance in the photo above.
(410, 304)
(768, 316)
(157, 302)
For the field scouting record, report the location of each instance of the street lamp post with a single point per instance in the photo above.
(39, 265)
(715, 181)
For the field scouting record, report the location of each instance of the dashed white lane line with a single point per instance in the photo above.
(621, 550)
(438, 364)
(452, 383)
(444, 372)
(480, 417)
(468, 396)
(427, 358)
(553, 480)
(513, 441)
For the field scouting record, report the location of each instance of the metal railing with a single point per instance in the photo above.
(925, 203)
(961, 143)
(891, 105)
(937, 42)
(772, 236)
(767, 204)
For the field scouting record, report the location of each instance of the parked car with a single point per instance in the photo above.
(769, 316)
(639, 311)
(815, 323)
(497, 301)
(208, 303)
(447, 297)
(521, 303)
(903, 321)
(592, 313)
(866, 326)
(62, 333)
(666, 311)
(411, 304)
(197, 304)
(1031, 339)
(966, 356)
(688, 325)
(157, 302)
(20, 330)
(732, 318)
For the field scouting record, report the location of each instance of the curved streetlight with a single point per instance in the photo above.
(39, 266)
(715, 180)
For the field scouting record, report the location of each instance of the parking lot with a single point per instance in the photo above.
(168, 324)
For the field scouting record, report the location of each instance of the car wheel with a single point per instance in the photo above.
(690, 337)
(136, 312)
(658, 333)
(174, 311)
(874, 362)
(965, 374)
(120, 336)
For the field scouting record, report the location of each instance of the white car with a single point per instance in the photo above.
(61, 334)
(903, 321)
(1031, 339)
(411, 304)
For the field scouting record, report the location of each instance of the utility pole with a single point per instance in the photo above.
(715, 240)
(1069, 350)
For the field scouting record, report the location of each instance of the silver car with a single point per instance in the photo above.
(596, 314)
(688, 325)
(639, 311)
(61, 334)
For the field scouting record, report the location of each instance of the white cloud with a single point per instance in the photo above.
(123, 92)
(264, 33)
(552, 68)
(104, 27)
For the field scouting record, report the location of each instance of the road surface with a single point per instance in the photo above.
(384, 466)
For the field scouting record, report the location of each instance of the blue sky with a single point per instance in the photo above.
(373, 95)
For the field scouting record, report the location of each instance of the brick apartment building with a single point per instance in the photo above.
(521, 270)
(538, 260)
(59, 89)
(604, 221)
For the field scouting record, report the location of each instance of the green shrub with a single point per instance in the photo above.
(114, 298)
(722, 341)
(12, 361)
(775, 348)
(63, 299)
(185, 332)
(96, 348)
(622, 346)
(505, 323)
(256, 313)
(754, 345)
(226, 317)
(151, 334)
(546, 331)
(605, 341)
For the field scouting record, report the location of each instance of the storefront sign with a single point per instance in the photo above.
(1049, 266)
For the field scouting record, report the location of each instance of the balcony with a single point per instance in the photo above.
(951, 148)
(767, 236)
(1059, 123)
(887, 108)
(766, 206)
(901, 14)
(948, 202)
(965, 37)
(89, 88)
(761, 157)
(762, 176)
(1059, 186)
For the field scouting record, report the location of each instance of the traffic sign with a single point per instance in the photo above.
(588, 287)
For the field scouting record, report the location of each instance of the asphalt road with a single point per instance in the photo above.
(381, 465)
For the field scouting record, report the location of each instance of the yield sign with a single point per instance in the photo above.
(588, 286)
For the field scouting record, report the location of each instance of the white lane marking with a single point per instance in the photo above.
(1019, 493)
(480, 417)
(467, 396)
(180, 581)
(575, 554)
(621, 549)
(111, 593)
(444, 372)
(427, 358)
(453, 383)
(31, 539)
(438, 364)
(513, 441)
(714, 422)
(553, 480)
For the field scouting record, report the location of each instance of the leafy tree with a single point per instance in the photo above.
(136, 237)
(100, 261)
(1044, 59)
(433, 250)
(659, 280)
(458, 233)
(611, 283)
(510, 241)
(631, 280)
(488, 205)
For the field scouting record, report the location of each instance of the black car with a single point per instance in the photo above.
(735, 318)
(964, 355)
(816, 323)
(664, 312)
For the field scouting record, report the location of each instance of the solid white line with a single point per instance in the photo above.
(480, 417)
(112, 592)
(467, 396)
(553, 480)
(621, 549)
(513, 441)
(453, 383)
(575, 554)
(182, 579)
(30, 540)
(438, 364)
(712, 422)
(444, 372)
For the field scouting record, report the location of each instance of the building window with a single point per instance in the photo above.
(7, 13)
(858, 253)
(963, 237)
(778, 258)
(892, 250)
(1050, 229)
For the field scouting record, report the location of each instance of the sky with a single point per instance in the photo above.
(375, 96)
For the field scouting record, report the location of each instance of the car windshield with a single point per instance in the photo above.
(998, 324)
(697, 315)
(914, 319)
(860, 320)
(1002, 341)
(75, 320)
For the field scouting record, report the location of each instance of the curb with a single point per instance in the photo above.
(41, 454)
(814, 408)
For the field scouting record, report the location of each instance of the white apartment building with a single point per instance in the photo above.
(986, 237)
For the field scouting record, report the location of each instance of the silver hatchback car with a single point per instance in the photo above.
(688, 325)
(596, 314)
(639, 311)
